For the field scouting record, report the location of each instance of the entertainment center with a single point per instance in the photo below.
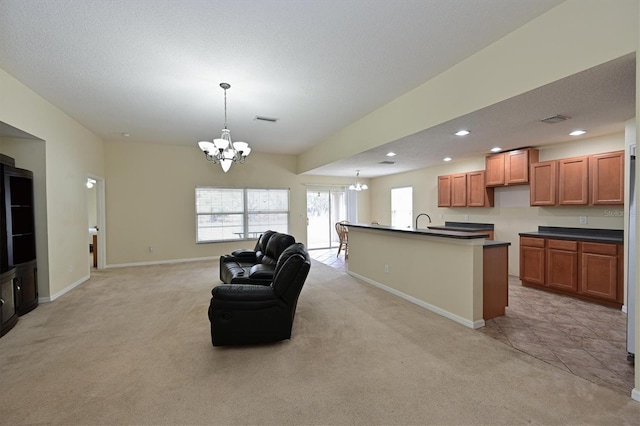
(18, 265)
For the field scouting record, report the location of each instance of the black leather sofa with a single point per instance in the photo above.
(254, 313)
(255, 266)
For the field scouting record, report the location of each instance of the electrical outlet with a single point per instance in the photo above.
(466, 217)
(583, 220)
(386, 269)
(151, 249)
(441, 215)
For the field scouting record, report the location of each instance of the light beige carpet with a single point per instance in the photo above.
(132, 346)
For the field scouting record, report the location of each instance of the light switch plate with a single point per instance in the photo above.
(583, 220)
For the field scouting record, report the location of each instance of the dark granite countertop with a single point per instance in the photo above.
(435, 233)
(464, 226)
(493, 243)
(614, 236)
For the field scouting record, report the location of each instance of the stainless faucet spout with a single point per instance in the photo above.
(422, 214)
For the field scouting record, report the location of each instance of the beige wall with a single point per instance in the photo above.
(572, 37)
(444, 274)
(71, 152)
(511, 213)
(30, 154)
(151, 202)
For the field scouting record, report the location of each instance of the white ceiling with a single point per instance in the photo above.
(152, 69)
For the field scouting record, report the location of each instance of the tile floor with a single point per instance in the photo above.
(582, 338)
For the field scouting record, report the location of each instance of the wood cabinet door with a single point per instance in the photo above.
(494, 165)
(478, 195)
(607, 178)
(532, 264)
(599, 277)
(444, 191)
(562, 265)
(26, 287)
(459, 190)
(516, 166)
(544, 183)
(573, 181)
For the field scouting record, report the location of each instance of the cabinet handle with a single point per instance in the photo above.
(18, 288)
(1, 302)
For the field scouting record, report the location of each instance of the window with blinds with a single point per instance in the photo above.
(224, 214)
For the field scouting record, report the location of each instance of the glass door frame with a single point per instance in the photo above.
(336, 213)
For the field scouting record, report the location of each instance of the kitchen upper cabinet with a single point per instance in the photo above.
(544, 183)
(494, 165)
(444, 191)
(588, 180)
(478, 195)
(464, 190)
(510, 168)
(573, 181)
(607, 178)
(459, 190)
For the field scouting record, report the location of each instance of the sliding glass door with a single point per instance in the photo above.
(325, 207)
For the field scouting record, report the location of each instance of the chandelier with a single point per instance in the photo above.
(358, 186)
(222, 150)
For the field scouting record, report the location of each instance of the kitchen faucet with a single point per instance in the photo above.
(422, 214)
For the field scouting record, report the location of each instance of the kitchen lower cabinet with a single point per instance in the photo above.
(532, 260)
(586, 270)
(562, 264)
(601, 271)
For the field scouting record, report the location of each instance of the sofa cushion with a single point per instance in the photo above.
(244, 266)
(276, 245)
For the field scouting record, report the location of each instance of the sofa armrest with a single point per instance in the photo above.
(244, 258)
(243, 292)
(261, 272)
(243, 253)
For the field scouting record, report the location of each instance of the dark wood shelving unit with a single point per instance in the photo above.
(18, 264)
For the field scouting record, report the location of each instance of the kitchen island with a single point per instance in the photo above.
(458, 275)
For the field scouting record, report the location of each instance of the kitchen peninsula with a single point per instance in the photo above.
(459, 275)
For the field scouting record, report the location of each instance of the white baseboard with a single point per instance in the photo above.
(635, 394)
(162, 262)
(421, 303)
(63, 291)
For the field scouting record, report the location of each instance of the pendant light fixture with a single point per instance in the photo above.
(222, 150)
(358, 186)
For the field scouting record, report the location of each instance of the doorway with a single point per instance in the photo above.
(402, 207)
(325, 207)
(96, 222)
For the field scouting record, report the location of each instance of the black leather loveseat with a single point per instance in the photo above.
(254, 313)
(255, 266)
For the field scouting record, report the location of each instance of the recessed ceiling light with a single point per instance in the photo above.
(577, 133)
(391, 154)
(446, 159)
(496, 149)
(462, 133)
